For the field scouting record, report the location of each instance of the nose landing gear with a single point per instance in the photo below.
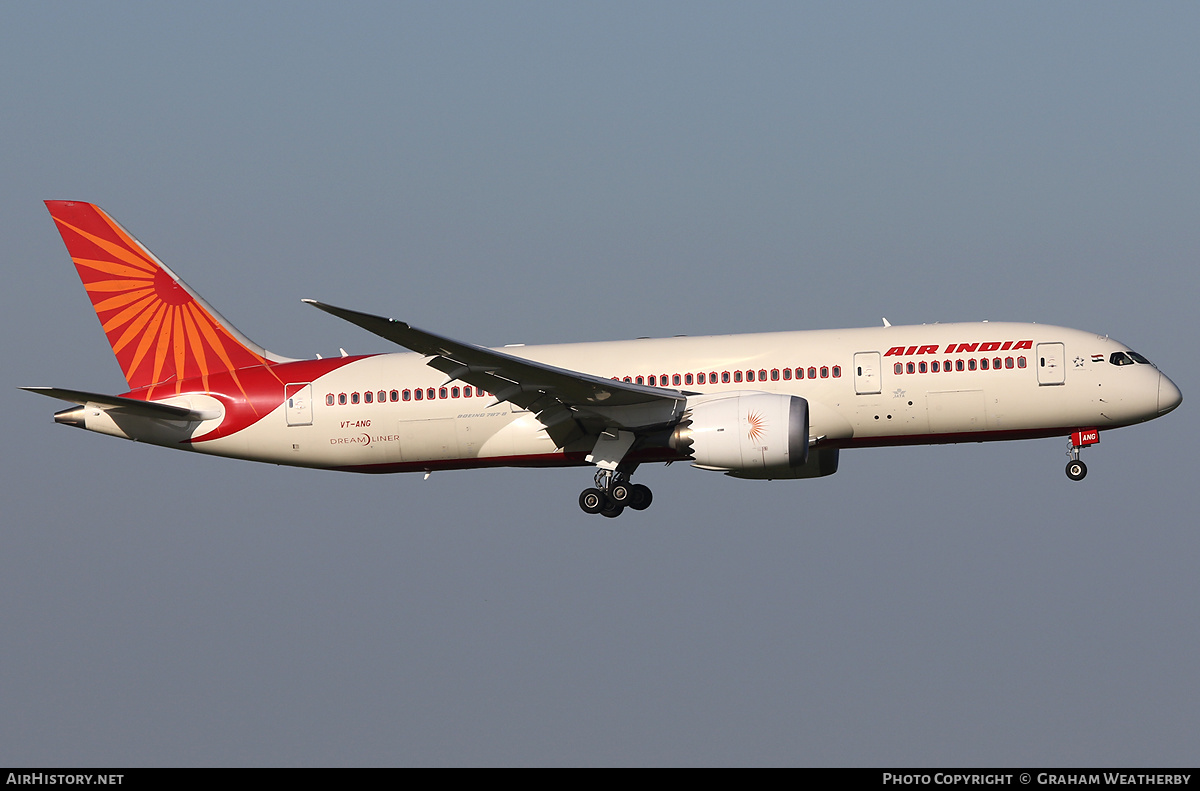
(1076, 469)
(614, 493)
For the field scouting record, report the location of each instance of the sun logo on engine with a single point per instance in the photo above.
(758, 426)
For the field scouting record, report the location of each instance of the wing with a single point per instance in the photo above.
(568, 403)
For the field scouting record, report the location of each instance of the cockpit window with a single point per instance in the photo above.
(1120, 358)
(1137, 358)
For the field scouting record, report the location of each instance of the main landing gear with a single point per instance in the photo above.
(613, 493)
(1076, 469)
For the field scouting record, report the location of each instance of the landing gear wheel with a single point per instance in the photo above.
(621, 493)
(592, 501)
(640, 497)
(1076, 470)
(612, 510)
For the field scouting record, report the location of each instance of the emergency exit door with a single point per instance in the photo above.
(299, 404)
(866, 373)
(1050, 367)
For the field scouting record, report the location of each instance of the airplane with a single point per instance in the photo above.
(780, 405)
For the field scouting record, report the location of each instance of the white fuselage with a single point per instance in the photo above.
(873, 386)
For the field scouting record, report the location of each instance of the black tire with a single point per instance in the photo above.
(641, 497)
(612, 510)
(1076, 470)
(592, 501)
(621, 493)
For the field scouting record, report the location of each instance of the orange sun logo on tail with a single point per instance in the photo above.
(159, 331)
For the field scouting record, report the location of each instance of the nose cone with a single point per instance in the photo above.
(1169, 396)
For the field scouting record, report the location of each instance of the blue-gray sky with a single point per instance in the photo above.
(529, 172)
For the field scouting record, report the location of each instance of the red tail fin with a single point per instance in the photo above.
(160, 330)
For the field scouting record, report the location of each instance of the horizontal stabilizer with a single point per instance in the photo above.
(128, 406)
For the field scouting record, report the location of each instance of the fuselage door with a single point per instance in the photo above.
(298, 406)
(1050, 368)
(866, 373)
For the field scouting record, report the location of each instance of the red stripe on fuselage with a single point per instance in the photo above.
(563, 459)
(948, 439)
(263, 387)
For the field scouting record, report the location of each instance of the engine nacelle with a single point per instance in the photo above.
(747, 435)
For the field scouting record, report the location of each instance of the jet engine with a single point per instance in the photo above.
(749, 435)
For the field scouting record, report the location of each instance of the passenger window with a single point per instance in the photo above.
(824, 372)
(639, 380)
(329, 400)
(712, 377)
(774, 374)
(467, 392)
(983, 363)
(996, 364)
(429, 394)
(454, 391)
(923, 367)
(737, 376)
(958, 365)
(442, 392)
(381, 397)
(762, 375)
(911, 368)
(418, 395)
(933, 366)
(725, 377)
(627, 379)
(341, 399)
(947, 366)
(812, 372)
(700, 378)
(368, 397)
(1020, 362)
(687, 379)
(675, 380)
(899, 368)
(1008, 362)
(407, 395)
(787, 374)
(837, 372)
(971, 364)
(650, 380)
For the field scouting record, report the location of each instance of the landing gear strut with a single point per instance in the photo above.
(614, 493)
(1076, 469)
